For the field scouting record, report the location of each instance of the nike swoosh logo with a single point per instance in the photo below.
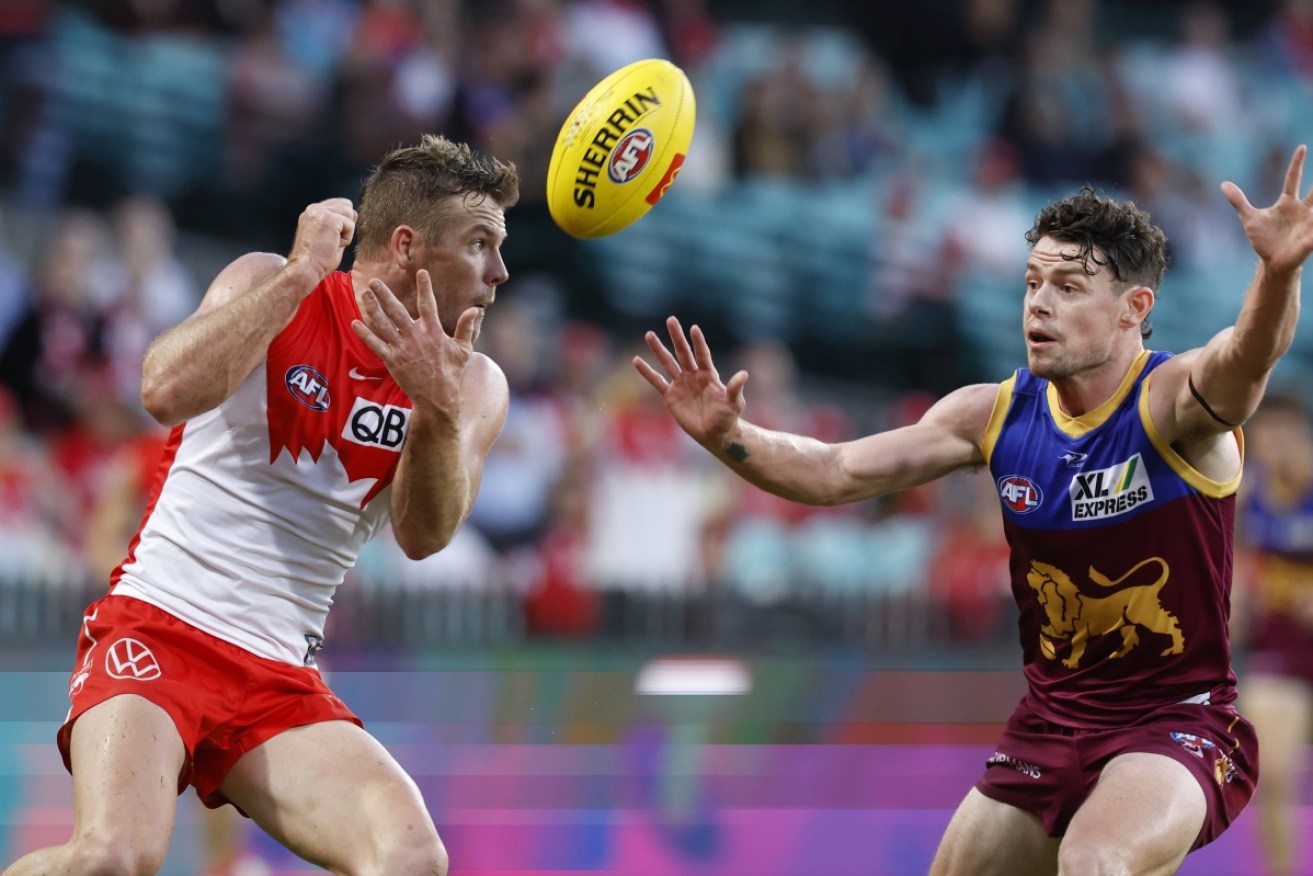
(356, 375)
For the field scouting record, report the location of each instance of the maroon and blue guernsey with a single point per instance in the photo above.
(1121, 554)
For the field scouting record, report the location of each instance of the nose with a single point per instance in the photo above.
(497, 273)
(1037, 301)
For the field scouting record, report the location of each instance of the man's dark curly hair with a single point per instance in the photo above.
(1109, 233)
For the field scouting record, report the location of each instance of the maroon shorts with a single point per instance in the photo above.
(1049, 770)
(223, 699)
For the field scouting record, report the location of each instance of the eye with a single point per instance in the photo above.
(480, 244)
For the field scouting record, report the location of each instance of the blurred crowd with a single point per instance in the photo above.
(902, 153)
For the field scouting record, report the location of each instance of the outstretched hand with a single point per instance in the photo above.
(704, 407)
(1281, 235)
(426, 362)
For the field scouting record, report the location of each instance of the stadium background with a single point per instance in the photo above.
(849, 226)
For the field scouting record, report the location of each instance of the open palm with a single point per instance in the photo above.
(705, 408)
(1282, 234)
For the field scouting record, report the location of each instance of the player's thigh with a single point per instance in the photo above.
(989, 838)
(126, 756)
(333, 794)
(1143, 817)
(1281, 710)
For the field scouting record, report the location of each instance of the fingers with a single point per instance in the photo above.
(465, 327)
(735, 389)
(373, 341)
(1237, 198)
(683, 352)
(386, 314)
(650, 374)
(1295, 172)
(701, 351)
(663, 355)
(426, 302)
(686, 357)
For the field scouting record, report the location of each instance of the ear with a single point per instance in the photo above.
(403, 244)
(1137, 303)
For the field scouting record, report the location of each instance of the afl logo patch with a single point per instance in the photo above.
(630, 155)
(1019, 493)
(308, 387)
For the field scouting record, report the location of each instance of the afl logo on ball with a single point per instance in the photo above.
(308, 387)
(630, 155)
(1019, 493)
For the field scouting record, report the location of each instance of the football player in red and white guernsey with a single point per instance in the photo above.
(309, 407)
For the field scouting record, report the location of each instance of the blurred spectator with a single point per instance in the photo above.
(86, 450)
(276, 107)
(986, 220)
(506, 102)
(142, 288)
(524, 464)
(60, 341)
(647, 498)
(1058, 112)
(968, 574)
(605, 35)
(563, 599)
(15, 288)
(35, 512)
(772, 136)
(1200, 85)
(379, 107)
(24, 53)
(688, 28)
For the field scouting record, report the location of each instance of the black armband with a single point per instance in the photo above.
(1189, 378)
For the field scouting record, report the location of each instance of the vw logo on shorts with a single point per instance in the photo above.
(130, 659)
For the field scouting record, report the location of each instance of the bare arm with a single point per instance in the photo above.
(460, 401)
(197, 364)
(1230, 373)
(803, 469)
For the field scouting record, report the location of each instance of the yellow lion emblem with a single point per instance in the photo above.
(1076, 616)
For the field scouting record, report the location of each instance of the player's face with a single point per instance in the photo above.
(1070, 319)
(465, 261)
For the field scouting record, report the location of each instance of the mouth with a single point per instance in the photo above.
(1038, 338)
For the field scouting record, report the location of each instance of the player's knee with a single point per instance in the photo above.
(118, 855)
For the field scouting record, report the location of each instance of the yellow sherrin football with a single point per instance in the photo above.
(620, 148)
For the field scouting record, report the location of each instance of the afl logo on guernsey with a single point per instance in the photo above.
(308, 387)
(630, 155)
(1019, 493)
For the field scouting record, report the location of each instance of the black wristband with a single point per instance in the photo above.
(1189, 378)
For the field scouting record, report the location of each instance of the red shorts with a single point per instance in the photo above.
(223, 699)
(1049, 770)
